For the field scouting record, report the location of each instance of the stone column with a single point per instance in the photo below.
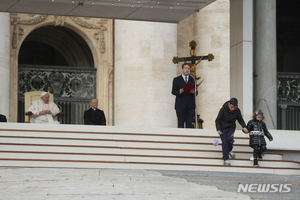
(265, 60)
(4, 63)
(241, 55)
(144, 73)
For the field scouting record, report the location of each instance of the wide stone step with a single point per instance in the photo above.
(25, 145)
(146, 158)
(122, 136)
(199, 153)
(116, 143)
(131, 151)
(141, 165)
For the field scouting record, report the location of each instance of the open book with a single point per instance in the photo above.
(190, 86)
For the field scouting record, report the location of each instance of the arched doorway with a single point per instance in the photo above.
(57, 60)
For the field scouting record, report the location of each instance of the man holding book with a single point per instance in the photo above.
(185, 97)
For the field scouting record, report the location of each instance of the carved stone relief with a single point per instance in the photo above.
(59, 20)
(99, 35)
(18, 31)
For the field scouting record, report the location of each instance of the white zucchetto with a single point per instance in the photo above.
(43, 93)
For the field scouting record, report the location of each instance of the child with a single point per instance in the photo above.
(225, 125)
(257, 130)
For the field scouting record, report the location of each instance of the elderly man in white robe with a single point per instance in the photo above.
(44, 111)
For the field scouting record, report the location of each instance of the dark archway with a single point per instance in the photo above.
(288, 35)
(288, 67)
(59, 61)
(55, 46)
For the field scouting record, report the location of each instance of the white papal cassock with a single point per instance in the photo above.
(39, 105)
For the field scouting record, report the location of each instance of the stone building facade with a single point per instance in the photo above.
(134, 60)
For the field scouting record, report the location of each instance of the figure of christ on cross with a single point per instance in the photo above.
(194, 60)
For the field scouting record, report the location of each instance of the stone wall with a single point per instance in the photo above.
(4, 64)
(143, 73)
(210, 29)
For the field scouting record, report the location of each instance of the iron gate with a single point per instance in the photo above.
(72, 87)
(288, 94)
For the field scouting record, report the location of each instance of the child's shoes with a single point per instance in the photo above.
(226, 162)
(232, 155)
(260, 156)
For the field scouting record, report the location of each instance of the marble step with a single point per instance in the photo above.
(131, 151)
(146, 159)
(199, 153)
(163, 149)
(150, 166)
(112, 143)
(124, 136)
(107, 130)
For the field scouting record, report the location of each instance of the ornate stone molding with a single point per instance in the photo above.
(59, 20)
(34, 21)
(18, 31)
(99, 35)
(110, 74)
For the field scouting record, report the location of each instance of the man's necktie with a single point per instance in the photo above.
(186, 80)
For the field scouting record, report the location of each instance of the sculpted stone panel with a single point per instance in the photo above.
(18, 30)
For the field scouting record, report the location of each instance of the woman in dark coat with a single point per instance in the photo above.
(257, 130)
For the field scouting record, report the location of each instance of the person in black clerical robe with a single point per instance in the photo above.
(3, 118)
(94, 116)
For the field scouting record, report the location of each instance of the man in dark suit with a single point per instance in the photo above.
(185, 100)
(3, 118)
(94, 116)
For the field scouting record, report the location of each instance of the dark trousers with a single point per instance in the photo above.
(185, 115)
(227, 138)
(258, 150)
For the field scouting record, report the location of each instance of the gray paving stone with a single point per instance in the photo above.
(39, 183)
(229, 181)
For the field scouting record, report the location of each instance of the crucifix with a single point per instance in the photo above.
(194, 60)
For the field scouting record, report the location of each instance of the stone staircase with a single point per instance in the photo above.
(77, 146)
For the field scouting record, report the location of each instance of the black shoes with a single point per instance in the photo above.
(255, 163)
(260, 156)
